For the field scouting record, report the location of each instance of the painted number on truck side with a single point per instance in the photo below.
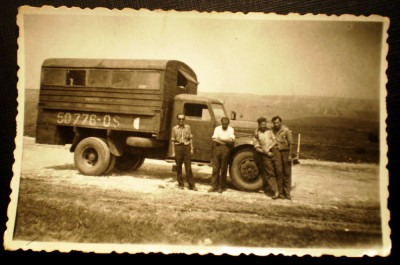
(106, 120)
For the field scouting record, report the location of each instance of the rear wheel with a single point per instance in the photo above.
(92, 156)
(113, 160)
(129, 162)
(244, 172)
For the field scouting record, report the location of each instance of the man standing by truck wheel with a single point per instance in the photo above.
(223, 136)
(266, 156)
(285, 143)
(182, 149)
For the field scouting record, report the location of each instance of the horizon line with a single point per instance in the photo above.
(269, 95)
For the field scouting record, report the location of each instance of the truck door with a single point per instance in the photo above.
(198, 116)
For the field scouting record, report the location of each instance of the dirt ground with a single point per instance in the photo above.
(334, 205)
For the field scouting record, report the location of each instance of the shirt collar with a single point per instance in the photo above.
(278, 131)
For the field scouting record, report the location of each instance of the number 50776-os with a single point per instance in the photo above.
(104, 120)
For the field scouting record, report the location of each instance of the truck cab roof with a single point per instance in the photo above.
(107, 63)
(196, 98)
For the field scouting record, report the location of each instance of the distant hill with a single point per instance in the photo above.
(250, 107)
(332, 128)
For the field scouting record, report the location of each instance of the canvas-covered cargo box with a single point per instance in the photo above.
(122, 95)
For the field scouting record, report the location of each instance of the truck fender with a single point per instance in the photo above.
(75, 140)
(114, 143)
(243, 141)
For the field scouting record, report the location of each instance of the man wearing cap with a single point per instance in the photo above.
(182, 149)
(285, 144)
(223, 137)
(266, 155)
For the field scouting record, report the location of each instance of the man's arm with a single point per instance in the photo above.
(230, 140)
(216, 137)
(173, 137)
(218, 141)
(225, 141)
(291, 143)
(231, 136)
(190, 140)
(172, 148)
(191, 146)
(256, 143)
(273, 140)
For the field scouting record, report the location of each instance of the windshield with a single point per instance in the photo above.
(219, 111)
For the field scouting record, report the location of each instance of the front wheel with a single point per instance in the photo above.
(92, 156)
(244, 172)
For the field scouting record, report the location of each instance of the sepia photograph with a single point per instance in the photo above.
(145, 131)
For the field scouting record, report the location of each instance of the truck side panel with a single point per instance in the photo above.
(121, 95)
(103, 100)
(100, 120)
(99, 108)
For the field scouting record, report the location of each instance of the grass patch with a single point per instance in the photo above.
(58, 212)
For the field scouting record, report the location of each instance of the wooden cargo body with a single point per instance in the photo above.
(121, 95)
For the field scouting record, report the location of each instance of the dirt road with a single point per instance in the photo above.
(333, 205)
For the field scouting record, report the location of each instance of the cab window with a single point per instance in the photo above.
(147, 80)
(197, 111)
(76, 78)
(219, 111)
(136, 79)
(122, 79)
(185, 81)
(54, 76)
(99, 78)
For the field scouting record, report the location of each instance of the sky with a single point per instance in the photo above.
(255, 55)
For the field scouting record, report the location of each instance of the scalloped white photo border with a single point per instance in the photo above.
(11, 244)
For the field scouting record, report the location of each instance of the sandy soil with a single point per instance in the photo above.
(332, 196)
(316, 182)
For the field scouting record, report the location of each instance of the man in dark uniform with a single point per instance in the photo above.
(284, 139)
(182, 149)
(223, 137)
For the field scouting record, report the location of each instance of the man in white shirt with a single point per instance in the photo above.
(223, 137)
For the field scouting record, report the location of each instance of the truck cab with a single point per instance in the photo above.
(203, 114)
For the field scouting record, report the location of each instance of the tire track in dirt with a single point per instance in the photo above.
(284, 221)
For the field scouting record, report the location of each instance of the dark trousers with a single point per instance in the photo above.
(182, 155)
(283, 172)
(220, 166)
(266, 166)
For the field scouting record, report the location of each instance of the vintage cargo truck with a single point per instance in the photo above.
(116, 113)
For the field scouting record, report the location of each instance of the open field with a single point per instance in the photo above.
(334, 205)
(332, 128)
